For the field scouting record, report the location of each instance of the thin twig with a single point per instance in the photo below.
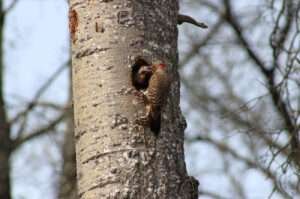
(224, 148)
(10, 7)
(188, 19)
(267, 72)
(195, 48)
(39, 132)
(39, 93)
(211, 194)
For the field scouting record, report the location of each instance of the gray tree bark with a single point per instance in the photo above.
(116, 158)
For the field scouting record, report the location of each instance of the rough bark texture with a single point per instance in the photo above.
(115, 157)
(5, 141)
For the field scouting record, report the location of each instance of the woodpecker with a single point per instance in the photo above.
(141, 77)
(155, 96)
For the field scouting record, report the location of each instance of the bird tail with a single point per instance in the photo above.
(155, 123)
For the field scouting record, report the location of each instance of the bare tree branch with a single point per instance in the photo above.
(39, 132)
(234, 115)
(10, 7)
(250, 163)
(211, 194)
(267, 123)
(269, 75)
(203, 42)
(39, 93)
(188, 19)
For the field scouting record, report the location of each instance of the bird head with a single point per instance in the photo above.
(145, 72)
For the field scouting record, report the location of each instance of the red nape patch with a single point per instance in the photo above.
(162, 66)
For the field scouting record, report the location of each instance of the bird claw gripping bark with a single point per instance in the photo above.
(141, 97)
(143, 120)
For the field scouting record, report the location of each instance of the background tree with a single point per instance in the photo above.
(68, 182)
(237, 144)
(242, 80)
(24, 116)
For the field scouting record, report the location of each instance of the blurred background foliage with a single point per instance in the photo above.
(240, 87)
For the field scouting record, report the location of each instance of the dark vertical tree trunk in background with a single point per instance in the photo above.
(68, 183)
(68, 188)
(5, 141)
(115, 157)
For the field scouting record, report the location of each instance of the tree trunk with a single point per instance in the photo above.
(68, 183)
(5, 141)
(5, 151)
(68, 189)
(115, 157)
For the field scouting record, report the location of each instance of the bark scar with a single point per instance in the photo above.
(88, 52)
(73, 24)
(96, 27)
(99, 27)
